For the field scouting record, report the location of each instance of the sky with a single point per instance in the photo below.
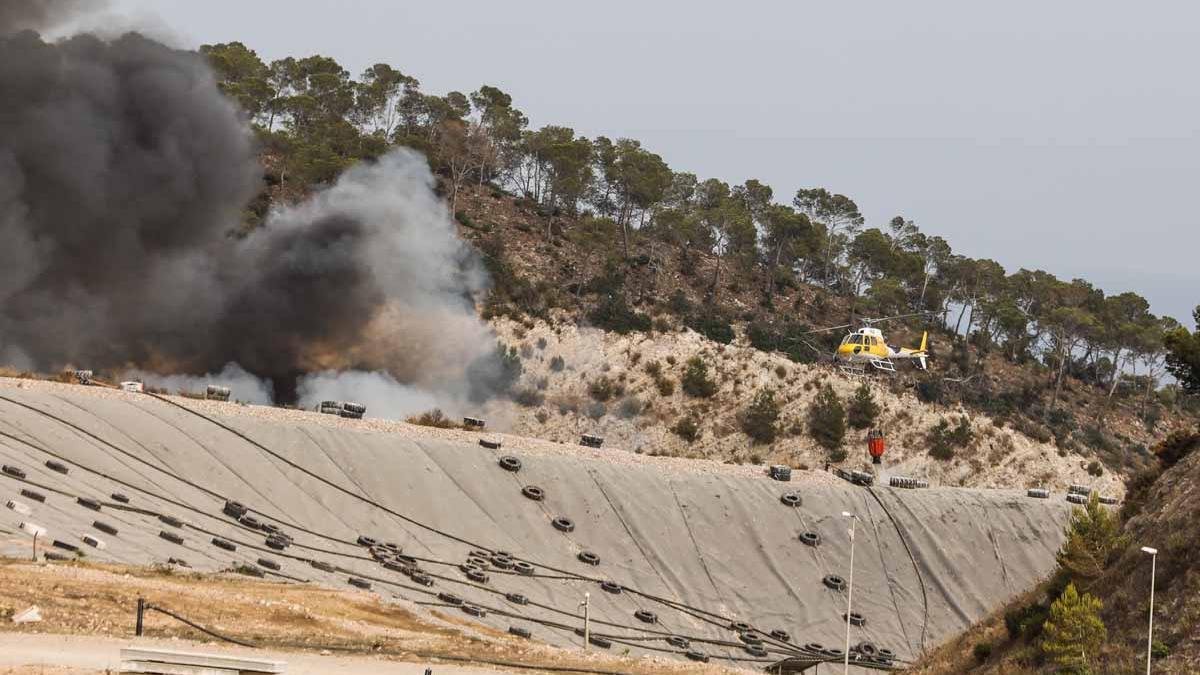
(1053, 135)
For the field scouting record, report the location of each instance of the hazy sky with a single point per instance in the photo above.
(1060, 135)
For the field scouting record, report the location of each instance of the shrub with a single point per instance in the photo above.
(661, 325)
(827, 419)
(712, 325)
(1093, 535)
(528, 397)
(1024, 621)
(944, 439)
(433, 418)
(762, 336)
(687, 429)
(557, 364)
(630, 407)
(781, 372)
(541, 343)
(679, 302)
(1095, 468)
(596, 410)
(863, 409)
(1159, 649)
(696, 381)
(760, 420)
(929, 390)
(602, 388)
(615, 315)
(666, 386)
(1176, 446)
(982, 651)
(654, 369)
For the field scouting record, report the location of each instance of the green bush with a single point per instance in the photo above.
(602, 388)
(557, 364)
(760, 420)
(982, 651)
(696, 381)
(1095, 468)
(687, 429)
(863, 410)
(1074, 631)
(945, 439)
(614, 314)
(762, 336)
(596, 410)
(1159, 649)
(529, 398)
(666, 386)
(929, 390)
(827, 419)
(713, 325)
(1025, 621)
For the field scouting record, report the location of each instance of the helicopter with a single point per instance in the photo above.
(867, 346)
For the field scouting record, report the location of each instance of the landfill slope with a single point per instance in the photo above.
(699, 550)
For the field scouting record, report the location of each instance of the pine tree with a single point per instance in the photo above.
(760, 420)
(827, 419)
(863, 409)
(1092, 535)
(696, 381)
(1074, 631)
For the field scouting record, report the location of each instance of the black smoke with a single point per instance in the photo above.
(123, 171)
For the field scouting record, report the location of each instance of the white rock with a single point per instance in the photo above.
(29, 615)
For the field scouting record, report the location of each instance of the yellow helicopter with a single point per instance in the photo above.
(867, 346)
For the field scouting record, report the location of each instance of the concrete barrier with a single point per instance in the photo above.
(166, 662)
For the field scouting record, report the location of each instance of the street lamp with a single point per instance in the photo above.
(1150, 633)
(850, 587)
(587, 606)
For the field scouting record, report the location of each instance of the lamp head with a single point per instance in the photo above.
(1151, 551)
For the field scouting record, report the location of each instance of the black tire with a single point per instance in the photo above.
(57, 466)
(359, 583)
(105, 527)
(57, 557)
(834, 582)
(268, 563)
(679, 642)
(781, 635)
(489, 444)
(119, 498)
(364, 540)
(791, 499)
(856, 619)
(88, 503)
(697, 655)
(221, 543)
(523, 568)
(180, 562)
(250, 571)
(278, 542)
(520, 632)
(885, 655)
(534, 492)
(450, 598)
(516, 598)
(170, 520)
(13, 471)
(750, 638)
(833, 652)
(867, 649)
(35, 496)
(474, 610)
(757, 651)
(250, 522)
(814, 647)
(480, 563)
(810, 539)
(563, 524)
(321, 565)
(477, 575)
(645, 616)
(603, 643)
(270, 528)
(234, 509)
(611, 587)
(510, 463)
(740, 627)
(397, 567)
(171, 537)
(588, 558)
(64, 546)
(422, 579)
(502, 562)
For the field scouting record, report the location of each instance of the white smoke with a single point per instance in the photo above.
(243, 386)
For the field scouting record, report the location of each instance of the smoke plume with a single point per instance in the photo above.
(123, 171)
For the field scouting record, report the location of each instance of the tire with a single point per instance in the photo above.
(119, 498)
(169, 520)
(450, 599)
(603, 643)
(885, 655)
(867, 649)
(697, 655)
(268, 563)
(270, 528)
(563, 524)
(56, 557)
(781, 635)
(1038, 493)
(234, 509)
(510, 463)
(791, 499)
(64, 546)
(171, 537)
(679, 641)
(856, 619)
(105, 528)
(422, 579)
(502, 562)
(489, 444)
(834, 582)
(474, 610)
(588, 558)
(814, 647)
(516, 598)
(533, 492)
(13, 471)
(519, 632)
(757, 651)
(611, 587)
(833, 652)
(523, 568)
(477, 575)
(35, 496)
(322, 566)
(750, 638)
(88, 503)
(364, 540)
(645, 616)
(250, 522)
(179, 562)
(278, 542)
(359, 583)
(481, 563)
(222, 544)
(250, 571)
(397, 567)
(740, 627)
(810, 539)
(57, 466)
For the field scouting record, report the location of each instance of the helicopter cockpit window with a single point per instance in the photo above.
(856, 340)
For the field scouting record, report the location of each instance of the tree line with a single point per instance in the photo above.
(318, 119)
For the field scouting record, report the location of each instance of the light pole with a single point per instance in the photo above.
(850, 587)
(1150, 633)
(586, 605)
